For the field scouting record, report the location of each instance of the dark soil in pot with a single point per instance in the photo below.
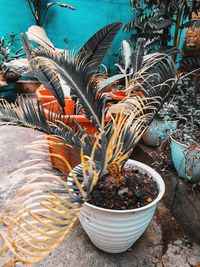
(189, 138)
(134, 190)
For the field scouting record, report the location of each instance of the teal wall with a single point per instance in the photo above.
(76, 26)
(15, 16)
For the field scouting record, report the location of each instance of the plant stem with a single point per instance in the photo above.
(32, 11)
(176, 35)
(39, 11)
(44, 17)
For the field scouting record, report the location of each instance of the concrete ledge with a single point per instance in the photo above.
(180, 197)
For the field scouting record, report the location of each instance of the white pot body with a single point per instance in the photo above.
(158, 131)
(186, 162)
(115, 231)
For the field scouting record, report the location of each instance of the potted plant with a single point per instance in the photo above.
(115, 229)
(180, 108)
(8, 78)
(67, 198)
(138, 70)
(165, 123)
(185, 141)
(185, 151)
(47, 206)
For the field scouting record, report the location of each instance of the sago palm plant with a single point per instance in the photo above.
(44, 209)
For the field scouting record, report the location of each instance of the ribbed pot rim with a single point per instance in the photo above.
(179, 143)
(154, 174)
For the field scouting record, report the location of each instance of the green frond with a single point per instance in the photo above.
(49, 78)
(76, 70)
(97, 46)
(25, 113)
(130, 118)
(152, 74)
(74, 73)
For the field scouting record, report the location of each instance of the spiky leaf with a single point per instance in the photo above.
(95, 49)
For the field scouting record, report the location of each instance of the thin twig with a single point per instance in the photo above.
(32, 11)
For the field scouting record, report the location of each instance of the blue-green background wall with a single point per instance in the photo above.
(76, 26)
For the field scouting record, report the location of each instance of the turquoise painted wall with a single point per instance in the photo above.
(15, 16)
(90, 16)
(76, 26)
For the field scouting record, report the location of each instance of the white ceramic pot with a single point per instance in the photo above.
(115, 231)
(186, 161)
(158, 131)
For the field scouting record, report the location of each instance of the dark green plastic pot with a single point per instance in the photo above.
(8, 92)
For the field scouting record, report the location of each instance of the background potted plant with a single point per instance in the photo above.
(139, 69)
(165, 123)
(185, 151)
(155, 19)
(180, 107)
(8, 78)
(185, 141)
(47, 206)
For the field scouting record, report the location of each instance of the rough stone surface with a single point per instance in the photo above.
(164, 244)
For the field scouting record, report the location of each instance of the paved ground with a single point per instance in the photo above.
(164, 244)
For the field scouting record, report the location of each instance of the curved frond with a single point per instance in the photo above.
(38, 35)
(25, 113)
(133, 117)
(138, 55)
(49, 78)
(74, 73)
(95, 49)
(41, 214)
